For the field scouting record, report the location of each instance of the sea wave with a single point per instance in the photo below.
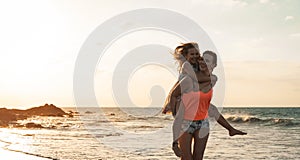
(267, 121)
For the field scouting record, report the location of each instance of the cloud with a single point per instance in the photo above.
(289, 18)
(264, 1)
(223, 3)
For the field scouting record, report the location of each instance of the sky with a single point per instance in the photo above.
(257, 43)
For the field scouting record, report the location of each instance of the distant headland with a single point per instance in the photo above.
(10, 115)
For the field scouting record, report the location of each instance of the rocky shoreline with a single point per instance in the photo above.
(8, 116)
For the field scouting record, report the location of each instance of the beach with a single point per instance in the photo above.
(13, 155)
(114, 133)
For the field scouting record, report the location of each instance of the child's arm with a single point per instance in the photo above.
(187, 69)
(198, 76)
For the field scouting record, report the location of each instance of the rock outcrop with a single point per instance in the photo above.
(6, 116)
(9, 115)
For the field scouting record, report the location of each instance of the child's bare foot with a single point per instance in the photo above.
(234, 132)
(176, 149)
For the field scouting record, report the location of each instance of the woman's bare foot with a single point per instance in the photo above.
(234, 132)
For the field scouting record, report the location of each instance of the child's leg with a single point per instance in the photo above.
(177, 128)
(213, 112)
(167, 107)
(177, 122)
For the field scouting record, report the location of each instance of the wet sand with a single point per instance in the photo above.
(11, 155)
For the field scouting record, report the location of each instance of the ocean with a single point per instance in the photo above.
(145, 134)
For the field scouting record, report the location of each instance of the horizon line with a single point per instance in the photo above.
(106, 106)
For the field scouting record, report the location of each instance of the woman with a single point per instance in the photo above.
(196, 99)
(195, 125)
(188, 55)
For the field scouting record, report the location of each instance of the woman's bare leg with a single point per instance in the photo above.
(185, 142)
(200, 141)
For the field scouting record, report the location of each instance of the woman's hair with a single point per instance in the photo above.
(182, 50)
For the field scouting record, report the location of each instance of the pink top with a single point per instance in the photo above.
(196, 105)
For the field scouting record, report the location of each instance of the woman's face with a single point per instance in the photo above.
(192, 55)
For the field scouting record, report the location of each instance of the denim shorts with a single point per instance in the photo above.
(192, 126)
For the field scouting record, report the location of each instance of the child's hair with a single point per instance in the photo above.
(213, 54)
(182, 50)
